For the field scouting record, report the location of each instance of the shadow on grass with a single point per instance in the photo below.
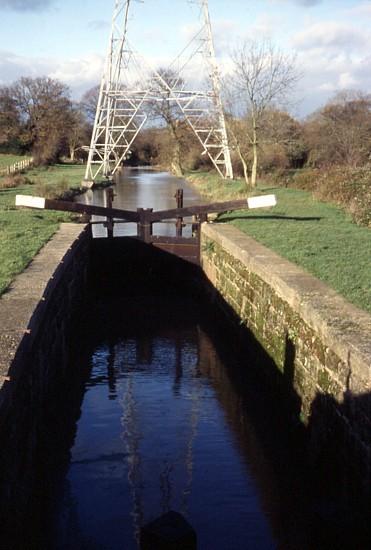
(270, 217)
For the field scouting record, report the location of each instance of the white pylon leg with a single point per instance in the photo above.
(203, 110)
(119, 117)
(120, 114)
(215, 79)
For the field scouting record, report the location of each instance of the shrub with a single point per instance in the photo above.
(305, 179)
(8, 182)
(346, 187)
(350, 188)
(50, 191)
(18, 180)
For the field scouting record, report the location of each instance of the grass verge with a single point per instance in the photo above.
(347, 187)
(24, 232)
(317, 236)
(8, 160)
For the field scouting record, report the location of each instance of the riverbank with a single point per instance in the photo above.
(7, 160)
(317, 236)
(24, 232)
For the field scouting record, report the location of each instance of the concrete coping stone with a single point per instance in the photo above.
(27, 293)
(343, 328)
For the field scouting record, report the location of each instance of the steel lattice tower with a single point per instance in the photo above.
(128, 83)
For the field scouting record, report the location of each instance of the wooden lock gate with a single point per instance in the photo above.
(187, 248)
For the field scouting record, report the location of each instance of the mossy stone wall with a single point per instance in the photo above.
(317, 340)
(38, 317)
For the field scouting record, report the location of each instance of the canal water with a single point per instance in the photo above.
(161, 429)
(142, 188)
(173, 414)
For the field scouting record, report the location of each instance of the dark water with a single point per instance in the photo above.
(175, 415)
(154, 435)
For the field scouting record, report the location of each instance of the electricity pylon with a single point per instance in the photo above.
(129, 84)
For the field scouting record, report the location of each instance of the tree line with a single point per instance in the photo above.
(38, 116)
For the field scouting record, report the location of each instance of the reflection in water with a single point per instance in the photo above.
(153, 437)
(131, 436)
(141, 189)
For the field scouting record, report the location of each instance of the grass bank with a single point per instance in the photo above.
(24, 232)
(319, 237)
(347, 187)
(8, 160)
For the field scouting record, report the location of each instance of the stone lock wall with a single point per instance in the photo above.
(37, 316)
(319, 342)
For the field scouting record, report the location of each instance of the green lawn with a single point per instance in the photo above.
(24, 232)
(8, 160)
(317, 236)
(71, 174)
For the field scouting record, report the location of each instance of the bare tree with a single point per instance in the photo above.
(263, 78)
(340, 132)
(89, 102)
(240, 143)
(78, 132)
(168, 111)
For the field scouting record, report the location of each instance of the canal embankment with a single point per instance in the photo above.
(38, 315)
(319, 343)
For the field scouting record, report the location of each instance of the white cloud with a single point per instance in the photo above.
(327, 87)
(338, 82)
(264, 26)
(333, 56)
(13, 66)
(363, 9)
(79, 74)
(327, 71)
(329, 34)
(347, 80)
(224, 32)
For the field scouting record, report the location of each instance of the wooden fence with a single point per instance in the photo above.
(17, 167)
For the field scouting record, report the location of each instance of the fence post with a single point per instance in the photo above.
(179, 204)
(18, 166)
(144, 226)
(109, 223)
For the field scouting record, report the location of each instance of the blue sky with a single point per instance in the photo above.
(67, 39)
